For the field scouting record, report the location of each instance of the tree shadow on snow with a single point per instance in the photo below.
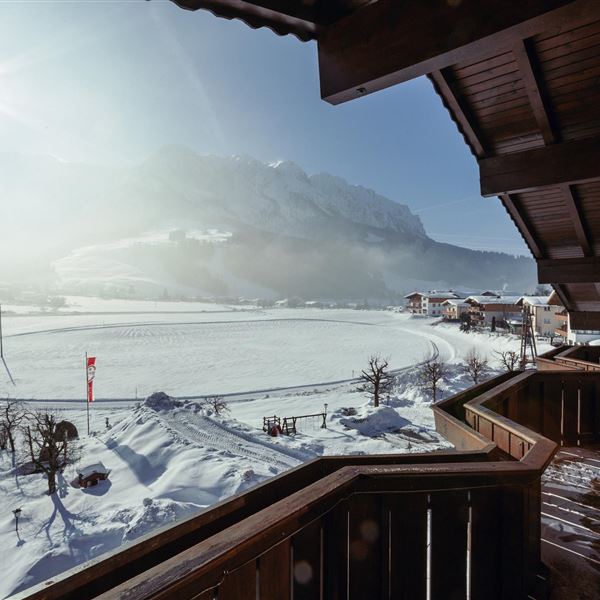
(141, 467)
(67, 517)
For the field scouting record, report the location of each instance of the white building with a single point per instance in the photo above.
(453, 309)
(429, 303)
(546, 319)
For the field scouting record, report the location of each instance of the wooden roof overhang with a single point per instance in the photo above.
(521, 80)
(306, 19)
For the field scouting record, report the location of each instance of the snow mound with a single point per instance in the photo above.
(161, 401)
(152, 514)
(376, 421)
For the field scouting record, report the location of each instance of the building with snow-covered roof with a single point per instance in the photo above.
(546, 320)
(91, 474)
(453, 309)
(491, 311)
(429, 303)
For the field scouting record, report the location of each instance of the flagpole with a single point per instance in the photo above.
(87, 397)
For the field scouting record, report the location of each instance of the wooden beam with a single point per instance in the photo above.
(561, 292)
(575, 215)
(523, 225)
(442, 80)
(584, 320)
(565, 163)
(531, 77)
(569, 270)
(388, 42)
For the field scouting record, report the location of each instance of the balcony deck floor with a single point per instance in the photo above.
(571, 523)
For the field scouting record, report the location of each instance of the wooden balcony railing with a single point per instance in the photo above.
(579, 358)
(463, 524)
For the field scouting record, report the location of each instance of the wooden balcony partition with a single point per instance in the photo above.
(463, 524)
(585, 358)
(560, 406)
(573, 358)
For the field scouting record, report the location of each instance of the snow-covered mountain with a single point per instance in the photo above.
(286, 232)
(278, 197)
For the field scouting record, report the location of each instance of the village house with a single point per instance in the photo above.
(452, 309)
(545, 314)
(490, 311)
(429, 303)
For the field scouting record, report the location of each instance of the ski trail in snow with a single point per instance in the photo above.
(208, 432)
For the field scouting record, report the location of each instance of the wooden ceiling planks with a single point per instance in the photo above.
(539, 106)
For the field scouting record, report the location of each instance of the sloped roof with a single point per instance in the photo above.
(492, 300)
(534, 300)
(97, 468)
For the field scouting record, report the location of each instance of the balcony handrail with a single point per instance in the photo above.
(203, 567)
(204, 548)
(173, 538)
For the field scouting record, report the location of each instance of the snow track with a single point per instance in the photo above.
(210, 433)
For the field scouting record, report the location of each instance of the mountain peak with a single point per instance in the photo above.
(289, 168)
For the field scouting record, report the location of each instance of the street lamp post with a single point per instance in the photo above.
(17, 512)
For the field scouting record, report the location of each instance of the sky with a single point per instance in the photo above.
(111, 81)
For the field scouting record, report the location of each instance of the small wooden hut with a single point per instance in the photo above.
(90, 475)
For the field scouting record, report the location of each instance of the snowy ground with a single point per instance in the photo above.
(169, 461)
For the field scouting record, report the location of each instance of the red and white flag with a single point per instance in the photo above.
(91, 373)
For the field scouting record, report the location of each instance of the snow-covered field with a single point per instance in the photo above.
(169, 460)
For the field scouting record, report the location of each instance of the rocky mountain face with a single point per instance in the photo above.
(244, 227)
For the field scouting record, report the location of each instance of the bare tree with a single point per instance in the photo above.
(509, 359)
(49, 451)
(12, 414)
(217, 404)
(431, 374)
(376, 379)
(3, 437)
(475, 365)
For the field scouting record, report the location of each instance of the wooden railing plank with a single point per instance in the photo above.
(486, 532)
(589, 426)
(552, 410)
(335, 552)
(239, 584)
(570, 409)
(306, 563)
(449, 518)
(365, 549)
(408, 550)
(274, 572)
(511, 543)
